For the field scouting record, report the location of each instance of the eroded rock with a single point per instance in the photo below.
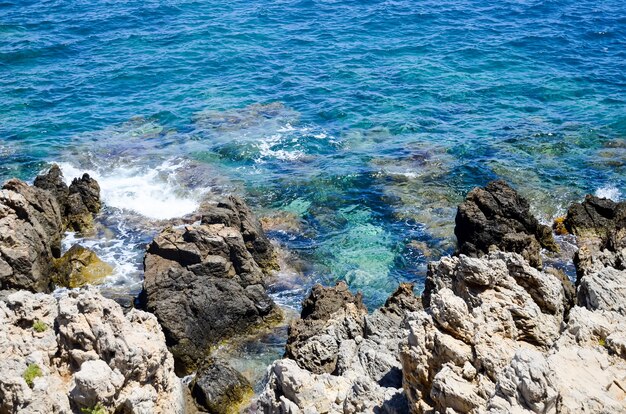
(88, 353)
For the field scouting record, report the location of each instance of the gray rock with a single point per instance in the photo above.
(219, 388)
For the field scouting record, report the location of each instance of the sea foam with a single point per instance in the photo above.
(151, 192)
(609, 192)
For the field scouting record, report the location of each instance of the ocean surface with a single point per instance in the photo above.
(353, 127)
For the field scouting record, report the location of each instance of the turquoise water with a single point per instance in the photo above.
(356, 126)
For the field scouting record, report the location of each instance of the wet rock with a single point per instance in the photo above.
(88, 353)
(219, 388)
(341, 359)
(204, 284)
(497, 215)
(80, 266)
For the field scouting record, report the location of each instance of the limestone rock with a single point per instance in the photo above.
(479, 313)
(497, 215)
(340, 358)
(88, 353)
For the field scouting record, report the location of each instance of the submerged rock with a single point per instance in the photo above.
(497, 215)
(87, 354)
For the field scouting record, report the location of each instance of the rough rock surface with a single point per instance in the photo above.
(87, 353)
(204, 284)
(78, 202)
(30, 236)
(219, 388)
(32, 222)
(479, 313)
(497, 215)
(346, 360)
(600, 227)
(234, 212)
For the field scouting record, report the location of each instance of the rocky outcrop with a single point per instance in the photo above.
(340, 358)
(204, 286)
(219, 388)
(600, 227)
(30, 236)
(78, 203)
(32, 222)
(81, 351)
(497, 215)
(479, 313)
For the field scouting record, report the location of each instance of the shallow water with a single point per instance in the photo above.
(362, 122)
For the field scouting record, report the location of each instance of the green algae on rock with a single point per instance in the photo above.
(80, 266)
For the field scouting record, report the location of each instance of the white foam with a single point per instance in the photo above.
(151, 192)
(609, 192)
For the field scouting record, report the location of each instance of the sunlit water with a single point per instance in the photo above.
(353, 127)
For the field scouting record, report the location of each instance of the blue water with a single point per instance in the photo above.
(358, 125)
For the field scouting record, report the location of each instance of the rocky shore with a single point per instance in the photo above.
(495, 330)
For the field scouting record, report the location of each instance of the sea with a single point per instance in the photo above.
(352, 128)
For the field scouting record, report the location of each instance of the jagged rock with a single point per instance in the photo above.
(219, 388)
(479, 313)
(234, 212)
(204, 285)
(32, 222)
(600, 227)
(497, 215)
(88, 352)
(584, 372)
(30, 236)
(595, 217)
(80, 266)
(339, 358)
(79, 202)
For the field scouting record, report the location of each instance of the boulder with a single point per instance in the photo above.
(497, 215)
(339, 358)
(78, 267)
(595, 217)
(204, 285)
(87, 353)
(219, 388)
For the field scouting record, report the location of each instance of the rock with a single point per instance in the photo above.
(80, 266)
(88, 352)
(219, 388)
(234, 212)
(78, 203)
(595, 217)
(339, 358)
(204, 284)
(497, 215)
(32, 222)
(307, 343)
(479, 313)
(30, 236)
(600, 227)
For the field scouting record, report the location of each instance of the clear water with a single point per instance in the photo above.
(355, 126)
